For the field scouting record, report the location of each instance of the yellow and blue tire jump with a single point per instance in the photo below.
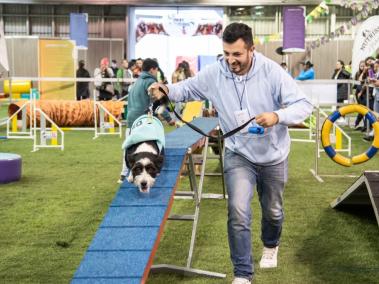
(328, 124)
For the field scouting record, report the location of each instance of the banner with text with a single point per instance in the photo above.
(366, 41)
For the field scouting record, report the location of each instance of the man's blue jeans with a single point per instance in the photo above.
(241, 176)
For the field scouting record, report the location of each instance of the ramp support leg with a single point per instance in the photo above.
(187, 270)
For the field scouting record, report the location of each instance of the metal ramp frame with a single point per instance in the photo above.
(364, 192)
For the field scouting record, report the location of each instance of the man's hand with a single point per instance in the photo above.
(267, 119)
(154, 91)
(375, 82)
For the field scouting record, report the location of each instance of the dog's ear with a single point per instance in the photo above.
(130, 160)
(159, 162)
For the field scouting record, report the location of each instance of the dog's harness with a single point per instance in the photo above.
(146, 128)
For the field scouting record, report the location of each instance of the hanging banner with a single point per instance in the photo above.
(79, 29)
(3, 49)
(366, 41)
(293, 29)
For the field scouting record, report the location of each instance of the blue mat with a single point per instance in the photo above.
(124, 245)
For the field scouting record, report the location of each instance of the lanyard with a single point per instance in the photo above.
(240, 98)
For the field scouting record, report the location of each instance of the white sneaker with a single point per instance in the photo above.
(121, 179)
(269, 257)
(239, 280)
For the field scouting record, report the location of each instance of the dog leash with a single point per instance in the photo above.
(197, 129)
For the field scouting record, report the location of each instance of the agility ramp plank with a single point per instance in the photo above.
(364, 192)
(125, 243)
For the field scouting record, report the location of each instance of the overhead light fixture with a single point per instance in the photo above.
(240, 9)
(258, 7)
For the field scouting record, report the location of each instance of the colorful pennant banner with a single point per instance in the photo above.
(367, 9)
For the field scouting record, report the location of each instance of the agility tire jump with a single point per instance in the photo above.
(328, 124)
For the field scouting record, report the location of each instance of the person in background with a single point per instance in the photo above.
(136, 71)
(82, 89)
(139, 101)
(106, 89)
(284, 66)
(178, 74)
(181, 73)
(348, 68)
(114, 66)
(366, 94)
(123, 73)
(161, 78)
(139, 63)
(341, 74)
(375, 82)
(308, 73)
(358, 89)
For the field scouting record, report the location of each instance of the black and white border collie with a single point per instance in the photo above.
(145, 162)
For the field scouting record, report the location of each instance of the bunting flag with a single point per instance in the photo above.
(355, 5)
(320, 10)
(367, 9)
(266, 39)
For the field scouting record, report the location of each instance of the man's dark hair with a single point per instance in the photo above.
(236, 31)
(148, 64)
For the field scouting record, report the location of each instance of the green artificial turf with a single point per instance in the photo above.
(3, 109)
(49, 218)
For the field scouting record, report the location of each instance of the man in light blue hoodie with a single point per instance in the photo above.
(241, 85)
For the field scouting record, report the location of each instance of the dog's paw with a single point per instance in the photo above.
(130, 178)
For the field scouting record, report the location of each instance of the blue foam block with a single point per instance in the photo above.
(124, 239)
(133, 197)
(133, 217)
(113, 264)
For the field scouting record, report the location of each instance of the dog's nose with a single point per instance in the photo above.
(143, 183)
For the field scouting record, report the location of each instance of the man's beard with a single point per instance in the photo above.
(239, 67)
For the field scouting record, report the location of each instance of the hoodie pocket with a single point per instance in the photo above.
(258, 147)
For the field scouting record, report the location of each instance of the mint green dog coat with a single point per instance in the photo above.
(145, 128)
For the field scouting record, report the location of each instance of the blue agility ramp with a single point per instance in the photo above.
(124, 246)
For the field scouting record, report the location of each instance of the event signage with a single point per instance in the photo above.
(366, 41)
